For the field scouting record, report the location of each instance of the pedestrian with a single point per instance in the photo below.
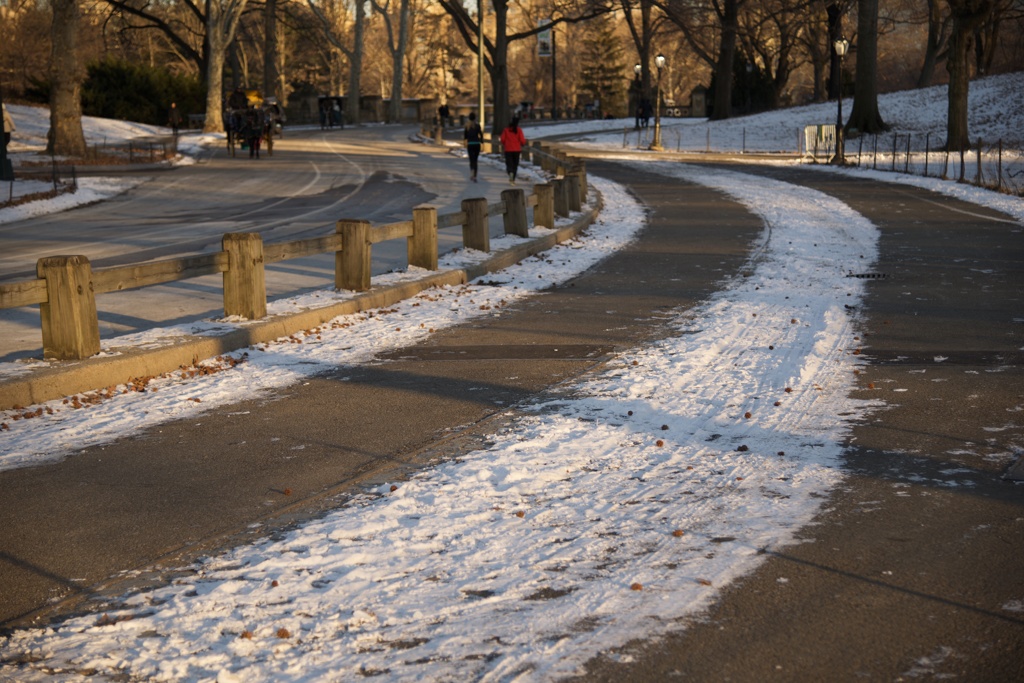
(512, 141)
(238, 100)
(254, 122)
(9, 127)
(174, 118)
(325, 113)
(473, 136)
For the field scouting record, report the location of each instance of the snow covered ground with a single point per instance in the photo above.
(610, 513)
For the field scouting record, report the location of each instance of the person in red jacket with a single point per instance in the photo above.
(512, 141)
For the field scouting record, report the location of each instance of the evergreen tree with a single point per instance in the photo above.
(603, 67)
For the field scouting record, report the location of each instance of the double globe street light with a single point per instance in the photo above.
(659, 61)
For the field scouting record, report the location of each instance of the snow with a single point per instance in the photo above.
(611, 511)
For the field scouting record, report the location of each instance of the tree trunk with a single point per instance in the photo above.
(65, 137)
(355, 66)
(397, 60)
(726, 57)
(271, 75)
(834, 12)
(499, 69)
(938, 33)
(221, 22)
(968, 15)
(865, 117)
(214, 122)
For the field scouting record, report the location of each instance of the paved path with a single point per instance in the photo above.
(65, 528)
(908, 573)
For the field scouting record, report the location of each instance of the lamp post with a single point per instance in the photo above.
(6, 167)
(659, 61)
(750, 73)
(840, 46)
(480, 61)
(637, 69)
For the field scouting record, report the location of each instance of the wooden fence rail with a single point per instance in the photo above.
(66, 286)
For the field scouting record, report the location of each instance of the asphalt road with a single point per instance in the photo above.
(913, 571)
(313, 179)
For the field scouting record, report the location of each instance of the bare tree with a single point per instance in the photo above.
(221, 22)
(968, 16)
(701, 21)
(865, 116)
(66, 75)
(332, 25)
(271, 56)
(496, 50)
(939, 21)
(182, 23)
(643, 38)
(770, 35)
(397, 46)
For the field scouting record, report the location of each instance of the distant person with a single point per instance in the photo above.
(9, 127)
(254, 123)
(473, 136)
(238, 100)
(174, 118)
(512, 141)
(325, 113)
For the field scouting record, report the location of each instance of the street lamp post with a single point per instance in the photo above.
(637, 69)
(840, 46)
(480, 61)
(659, 61)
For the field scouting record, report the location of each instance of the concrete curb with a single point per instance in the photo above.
(66, 378)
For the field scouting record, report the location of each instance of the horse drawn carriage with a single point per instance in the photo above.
(250, 120)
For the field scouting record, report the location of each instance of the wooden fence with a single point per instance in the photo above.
(65, 287)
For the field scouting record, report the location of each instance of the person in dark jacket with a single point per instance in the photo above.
(474, 137)
(254, 123)
(174, 118)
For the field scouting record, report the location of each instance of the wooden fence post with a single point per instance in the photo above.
(352, 263)
(581, 169)
(71, 328)
(561, 165)
(544, 212)
(515, 213)
(475, 231)
(245, 286)
(572, 192)
(546, 162)
(422, 246)
(561, 197)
